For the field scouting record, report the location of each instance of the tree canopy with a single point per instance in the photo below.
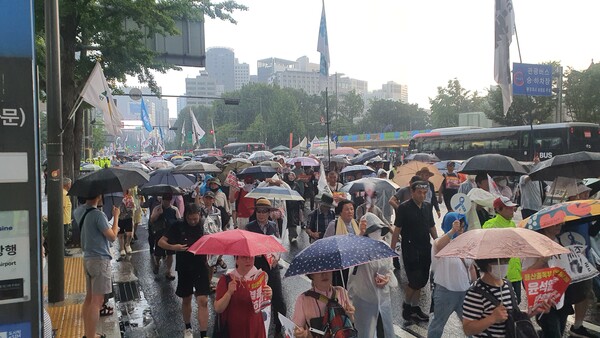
(582, 97)
(451, 101)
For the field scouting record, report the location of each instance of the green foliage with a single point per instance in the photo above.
(98, 136)
(450, 102)
(349, 108)
(388, 115)
(541, 109)
(582, 97)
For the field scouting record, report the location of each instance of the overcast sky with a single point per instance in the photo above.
(420, 43)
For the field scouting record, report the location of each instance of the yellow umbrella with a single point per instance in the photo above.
(406, 171)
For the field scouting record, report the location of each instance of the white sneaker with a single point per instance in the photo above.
(122, 252)
(128, 248)
(188, 333)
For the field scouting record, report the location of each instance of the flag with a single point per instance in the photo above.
(322, 183)
(145, 117)
(182, 132)
(323, 48)
(505, 28)
(197, 132)
(97, 93)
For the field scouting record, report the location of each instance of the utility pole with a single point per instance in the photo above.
(56, 277)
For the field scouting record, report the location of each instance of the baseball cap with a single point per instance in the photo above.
(503, 202)
(209, 194)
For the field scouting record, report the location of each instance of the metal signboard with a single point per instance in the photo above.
(532, 80)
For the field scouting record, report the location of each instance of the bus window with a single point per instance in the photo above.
(583, 139)
(505, 143)
(429, 146)
(549, 139)
(450, 144)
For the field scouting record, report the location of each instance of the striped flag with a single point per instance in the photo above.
(505, 29)
(323, 48)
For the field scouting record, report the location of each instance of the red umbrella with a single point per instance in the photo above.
(236, 242)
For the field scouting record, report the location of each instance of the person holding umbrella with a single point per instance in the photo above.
(192, 270)
(163, 216)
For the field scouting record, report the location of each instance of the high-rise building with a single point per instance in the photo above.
(241, 75)
(343, 84)
(220, 65)
(265, 68)
(307, 81)
(202, 85)
(158, 109)
(391, 91)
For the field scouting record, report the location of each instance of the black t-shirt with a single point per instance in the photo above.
(415, 223)
(183, 233)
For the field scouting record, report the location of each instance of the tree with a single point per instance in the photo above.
(95, 31)
(518, 114)
(349, 108)
(388, 115)
(581, 94)
(450, 102)
(98, 136)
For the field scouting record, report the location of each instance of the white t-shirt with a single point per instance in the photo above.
(450, 272)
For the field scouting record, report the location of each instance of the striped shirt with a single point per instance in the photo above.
(476, 307)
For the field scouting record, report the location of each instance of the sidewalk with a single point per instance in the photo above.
(66, 315)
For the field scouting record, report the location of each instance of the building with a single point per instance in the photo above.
(391, 91)
(202, 85)
(220, 65)
(342, 84)
(290, 78)
(241, 75)
(265, 68)
(158, 109)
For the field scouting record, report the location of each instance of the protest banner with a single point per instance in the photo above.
(575, 264)
(545, 284)
(255, 287)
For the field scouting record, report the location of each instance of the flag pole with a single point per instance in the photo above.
(327, 117)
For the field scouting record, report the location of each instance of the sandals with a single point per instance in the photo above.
(106, 311)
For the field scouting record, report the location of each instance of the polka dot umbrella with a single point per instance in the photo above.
(337, 253)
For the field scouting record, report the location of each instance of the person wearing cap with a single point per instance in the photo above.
(449, 186)
(213, 223)
(430, 198)
(369, 287)
(319, 219)
(451, 276)
(505, 210)
(414, 220)
(214, 185)
(403, 194)
(268, 263)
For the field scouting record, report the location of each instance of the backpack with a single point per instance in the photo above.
(335, 323)
(518, 324)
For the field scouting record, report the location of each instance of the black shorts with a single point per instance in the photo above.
(192, 282)
(125, 225)
(416, 264)
(158, 251)
(579, 291)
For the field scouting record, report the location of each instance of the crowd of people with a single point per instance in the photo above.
(175, 222)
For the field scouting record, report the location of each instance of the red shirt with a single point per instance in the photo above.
(244, 205)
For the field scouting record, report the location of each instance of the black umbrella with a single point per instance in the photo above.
(108, 180)
(493, 165)
(210, 159)
(363, 157)
(258, 172)
(166, 176)
(422, 157)
(161, 189)
(583, 164)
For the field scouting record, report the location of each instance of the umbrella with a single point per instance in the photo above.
(345, 151)
(305, 161)
(236, 242)
(501, 243)
(378, 184)
(238, 163)
(493, 165)
(89, 167)
(358, 168)
(166, 176)
(337, 253)
(195, 167)
(275, 192)
(337, 159)
(155, 158)
(422, 157)
(258, 172)
(272, 164)
(574, 211)
(280, 148)
(160, 189)
(108, 180)
(161, 164)
(363, 157)
(262, 155)
(580, 165)
(137, 165)
(406, 171)
(592, 183)
(209, 159)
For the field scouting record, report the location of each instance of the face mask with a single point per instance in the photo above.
(248, 187)
(499, 271)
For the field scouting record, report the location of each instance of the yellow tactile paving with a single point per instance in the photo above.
(74, 276)
(66, 320)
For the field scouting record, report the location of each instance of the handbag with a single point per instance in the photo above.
(221, 329)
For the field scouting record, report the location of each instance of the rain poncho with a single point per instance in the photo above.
(368, 299)
(478, 197)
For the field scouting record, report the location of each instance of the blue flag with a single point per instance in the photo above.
(145, 117)
(323, 48)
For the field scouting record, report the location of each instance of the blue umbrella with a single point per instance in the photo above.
(258, 172)
(337, 253)
(166, 176)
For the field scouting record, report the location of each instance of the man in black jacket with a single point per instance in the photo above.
(268, 263)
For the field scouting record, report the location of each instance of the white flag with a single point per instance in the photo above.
(505, 28)
(323, 48)
(97, 93)
(197, 132)
(322, 183)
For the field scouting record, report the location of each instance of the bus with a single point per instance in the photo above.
(208, 151)
(549, 140)
(240, 147)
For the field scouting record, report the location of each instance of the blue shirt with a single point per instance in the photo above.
(93, 242)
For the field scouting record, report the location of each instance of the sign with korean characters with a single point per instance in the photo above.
(542, 285)
(575, 263)
(532, 80)
(15, 281)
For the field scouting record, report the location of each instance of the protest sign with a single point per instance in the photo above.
(546, 284)
(255, 287)
(575, 264)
